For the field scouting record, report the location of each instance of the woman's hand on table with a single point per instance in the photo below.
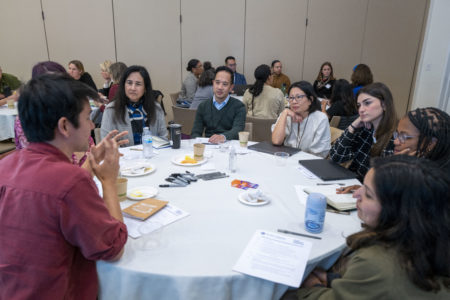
(347, 189)
(317, 277)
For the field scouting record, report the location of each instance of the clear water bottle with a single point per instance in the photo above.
(316, 206)
(232, 160)
(147, 142)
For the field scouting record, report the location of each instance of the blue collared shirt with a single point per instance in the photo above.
(218, 105)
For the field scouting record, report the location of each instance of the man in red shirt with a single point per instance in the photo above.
(53, 223)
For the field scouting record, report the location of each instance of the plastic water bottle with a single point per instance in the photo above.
(316, 206)
(232, 160)
(147, 142)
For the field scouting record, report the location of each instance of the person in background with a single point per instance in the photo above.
(204, 91)
(371, 134)
(239, 79)
(134, 107)
(76, 70)
(361, 76)
(261, 100)
(190, 83)
(117, 69)
(341, 104)
(207, 66)
(280, 81)
(222, 117)
(323, 85)
(53, 223)
(303, 125)
(402, 251)
(8, 84)
(106, 75)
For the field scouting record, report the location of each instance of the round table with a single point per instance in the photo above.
(197, 253)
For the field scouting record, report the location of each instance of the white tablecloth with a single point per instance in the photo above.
(198, 252)
(7, 117)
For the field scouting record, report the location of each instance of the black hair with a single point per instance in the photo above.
(206, 78)
(207, 66)
(226, 69)
(229, 57)
(308, 89)
(342, 92)
(274, 62)
(414, 218)
(148, 99)
(192, 64)
(434, 127)
(46, 99)
(262, 72)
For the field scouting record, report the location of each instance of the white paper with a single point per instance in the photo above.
(301, 194)
(165, 216)
(275, 257)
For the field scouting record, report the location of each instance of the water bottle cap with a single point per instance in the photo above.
(175, 125)
(317, 196)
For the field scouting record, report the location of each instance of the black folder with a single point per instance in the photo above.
(327, 169)
(269, 148)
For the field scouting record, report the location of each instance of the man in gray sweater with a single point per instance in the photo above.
(223, 116)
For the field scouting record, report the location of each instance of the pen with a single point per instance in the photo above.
(136, 149)
(299, 234)
(338, 211)
(170, 185)
(330, 183)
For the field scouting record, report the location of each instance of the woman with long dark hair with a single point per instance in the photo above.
(134, 107)
(323, 85)
(342, 104)
(261, 100)
(303, 125)
(204, 91)
(361, 76)
(402, 252)
(371, 134)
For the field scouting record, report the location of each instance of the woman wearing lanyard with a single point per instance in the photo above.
(134, 107)
(303, 125)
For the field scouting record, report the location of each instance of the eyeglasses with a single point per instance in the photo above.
(402, 137)
(297, 97)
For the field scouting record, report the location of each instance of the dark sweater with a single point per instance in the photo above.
(87, 79)
(227, 121)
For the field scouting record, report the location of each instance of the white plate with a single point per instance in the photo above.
(243, 198)
(134, 170)
(142, 192)
(179, 158)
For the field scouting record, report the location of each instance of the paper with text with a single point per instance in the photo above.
(275, 257)
(165, 216)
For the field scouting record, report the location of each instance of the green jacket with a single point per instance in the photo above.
(373, 273)
(227, 121)
(9, 80)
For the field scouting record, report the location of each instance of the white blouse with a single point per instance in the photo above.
(312, 135)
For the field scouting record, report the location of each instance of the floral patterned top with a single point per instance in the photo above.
(22, 142)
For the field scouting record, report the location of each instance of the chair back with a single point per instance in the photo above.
(184, 117)
(249, 128)
(262, 128)
(335, 134)
(334, 122)
(174, 97)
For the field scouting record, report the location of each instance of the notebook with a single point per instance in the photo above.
(159, 142)
(327, 169)
(337, 201)
(268, 147)
(144, 208)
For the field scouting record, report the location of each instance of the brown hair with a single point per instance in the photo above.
(320, 75)
(362, 75)
(388, 122)
(77, 64)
